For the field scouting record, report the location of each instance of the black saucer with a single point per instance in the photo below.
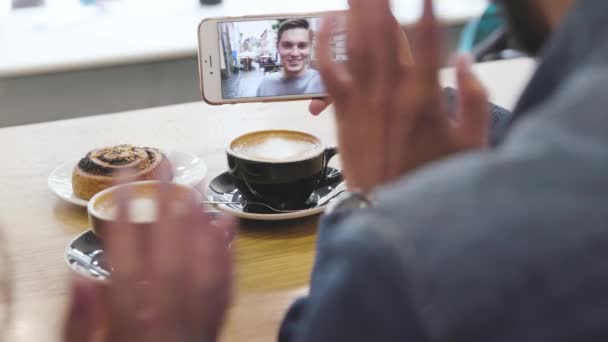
(223, 189)
(85, 255)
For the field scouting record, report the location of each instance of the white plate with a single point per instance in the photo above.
(189, 170)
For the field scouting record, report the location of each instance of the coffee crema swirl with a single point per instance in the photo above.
(128, 158)
(277, 146)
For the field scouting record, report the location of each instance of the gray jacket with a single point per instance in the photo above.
(509, 244)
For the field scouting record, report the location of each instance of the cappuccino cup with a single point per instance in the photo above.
(103, 208)
(281, 168)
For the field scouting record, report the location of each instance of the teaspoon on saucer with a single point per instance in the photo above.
(323, 201)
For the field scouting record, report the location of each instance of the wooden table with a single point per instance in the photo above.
(273, 259)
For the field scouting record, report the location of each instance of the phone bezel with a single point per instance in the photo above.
(210, 66)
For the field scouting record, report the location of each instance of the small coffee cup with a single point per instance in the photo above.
(143, 208)
(281, 168)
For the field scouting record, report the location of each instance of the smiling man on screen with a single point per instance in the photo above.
(294, 44)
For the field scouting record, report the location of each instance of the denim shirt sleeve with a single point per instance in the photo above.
(356, 292)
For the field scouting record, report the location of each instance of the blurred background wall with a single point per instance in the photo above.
(67, 58)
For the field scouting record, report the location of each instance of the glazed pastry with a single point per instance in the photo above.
(99, 169)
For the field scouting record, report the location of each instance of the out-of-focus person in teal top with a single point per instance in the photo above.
(488, 37)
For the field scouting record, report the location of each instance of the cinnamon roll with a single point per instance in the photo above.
(98, 170)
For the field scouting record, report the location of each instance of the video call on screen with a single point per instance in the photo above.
(263, 58)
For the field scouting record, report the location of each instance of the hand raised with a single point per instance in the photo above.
(178, 292)
(390, 112)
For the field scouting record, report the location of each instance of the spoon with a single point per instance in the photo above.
(323, 201)
(266, 206)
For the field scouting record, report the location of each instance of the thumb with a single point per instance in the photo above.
(82, 319)
(473, 120)
(318, 105)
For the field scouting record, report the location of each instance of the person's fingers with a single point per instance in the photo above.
(228, 226)
(210, 273)
(335, 75)
(382, 35)
(223, 283)
(427, 54)
(122, 238)
(164, 292)
(428, 42)
(392, 67)
(473, 120)
(192, 311)
(317, 106)
(166, 234)
(82, 323)
(401, 116)
(122, 255)
(359, 51)
(404, 48)
(190, 305)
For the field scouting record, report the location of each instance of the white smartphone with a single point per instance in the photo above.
(264, 58)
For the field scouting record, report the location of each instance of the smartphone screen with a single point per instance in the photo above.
(277, 57)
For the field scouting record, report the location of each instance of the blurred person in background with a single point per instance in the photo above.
(294, 44)
(445, 238)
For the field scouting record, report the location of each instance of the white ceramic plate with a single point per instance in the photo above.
(189, 170)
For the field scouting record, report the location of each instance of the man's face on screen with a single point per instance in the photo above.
(294, 48)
